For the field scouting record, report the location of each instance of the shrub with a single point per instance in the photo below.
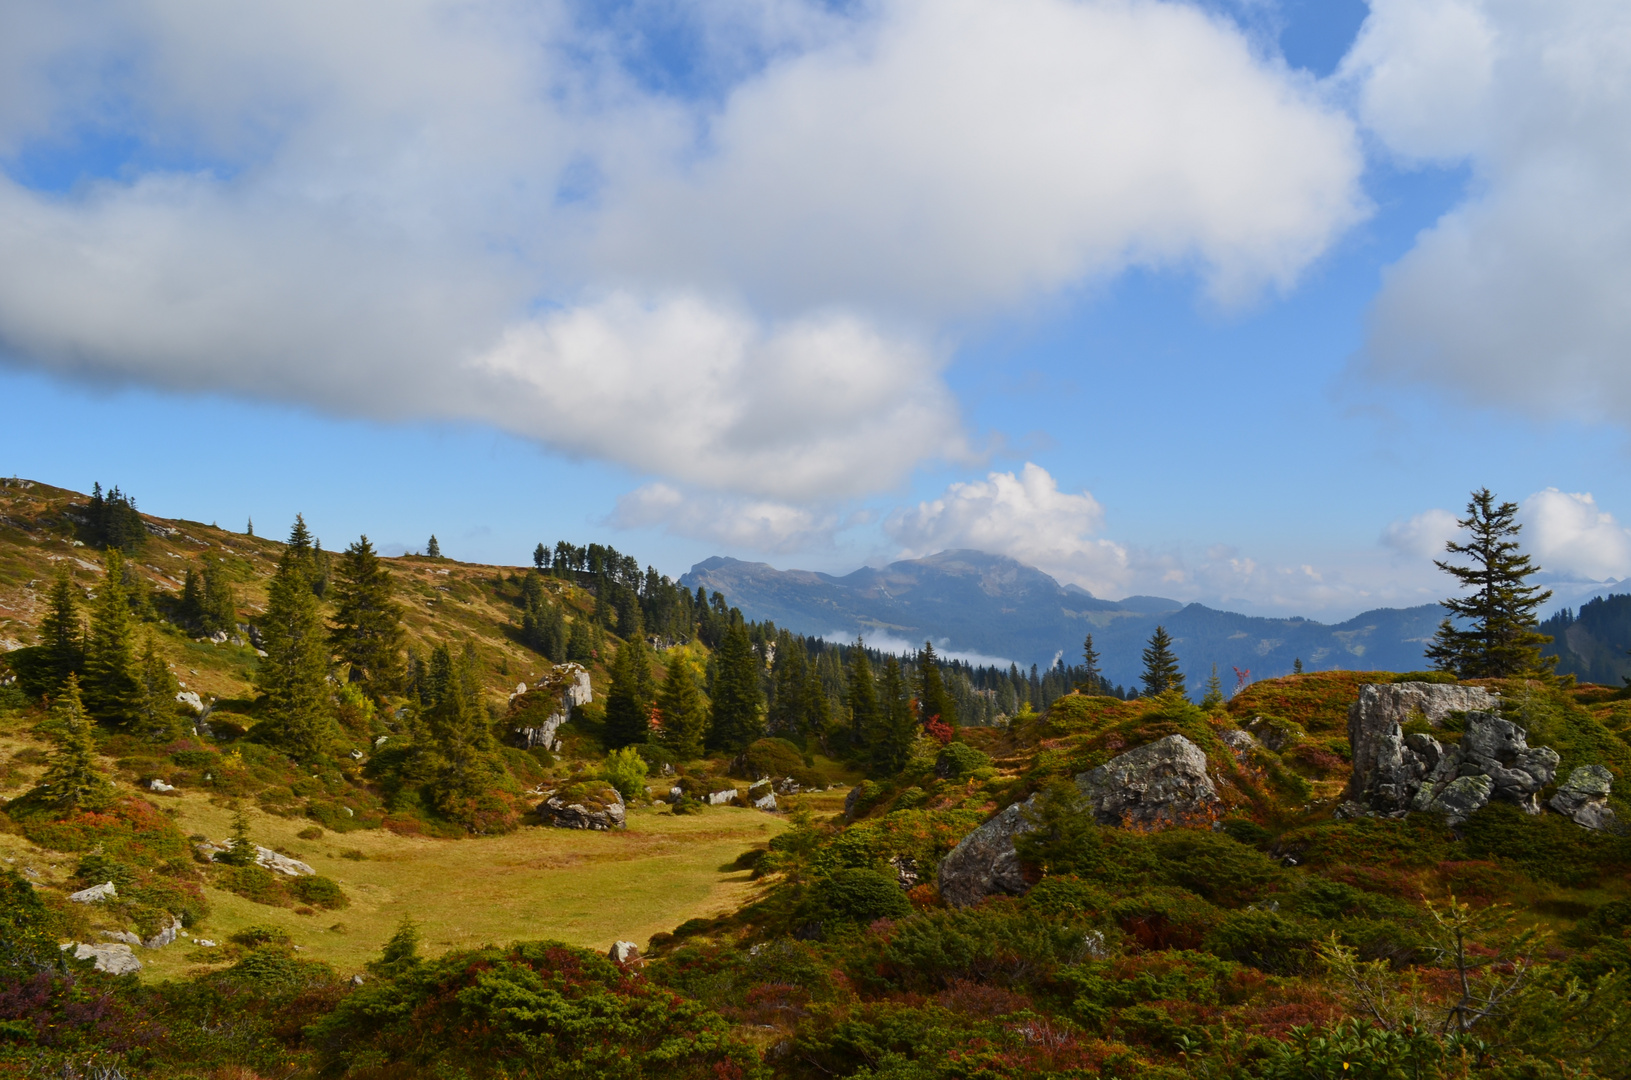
(1266, 940)
(1165, 918)
(263, 937)
(1212, 865)
(856, 894)
(1067, 896)
(771, 757)
(998, 940)
(255, 883)
(958, 760)
(310, 832)
(626, 771)
(319, 891)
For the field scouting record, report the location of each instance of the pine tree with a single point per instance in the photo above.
(931, 689)
(112, 685)
(73, 780)
(891, 746)
(433, 549)
(1092, 681)
(1500, 639)
(738, 717)
(1297, 666)
(461, 742)
(61, 633)
(540, 556)
(628, 712)
(249, 530)
(219, 611)
(580, 642)
(1214, 691)
(684, 712)
(1161, 672)
(240, 847)
(156, 711)
(864, 714)
(785, 715)
(366, 633)
(293, 674)
(815, 711)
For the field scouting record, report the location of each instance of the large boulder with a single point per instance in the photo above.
(1583, 798)
(1493, 749)
(985, 862)
(264, 857)
(1153, 787)
(105, 891)
(115, 959)
(586, 806)
(1388, 766)
(565, 687)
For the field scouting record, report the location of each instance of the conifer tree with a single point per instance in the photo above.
(738, 717)
(785, 715)
(1161, 665)
(815, 711)
(540, 556)
(112, 685)
(220, 606)
(931, 689)
(1214, 691)
(891, 746)
(1497, 635)
(73, 780)
(433, 549)
(61, 633)
(1092, 681)
(580, 642)
(1297, 666)
(249, 530)
(864, 714)
(628, 712)
(684, 712)
(156, 711)
(366, 632)
(240, 847)
(460, 739)
(293, 674)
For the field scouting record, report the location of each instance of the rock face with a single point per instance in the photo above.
(1388, 771)
(602, 813)
(762, 796)
(120, 935)
(1152, 787)
(1583, 798)
(104, 891)
(1457, 800)
(624, 952)
(571, 682)
(986, 862)
(115, 959)
(164, 936)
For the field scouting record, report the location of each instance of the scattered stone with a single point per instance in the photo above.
(356, 755)
(158, 785)
(113, 959)
(1153, 787)
(722, 798)
(164, 936)
(191, 699)
(1583, 799)
(602, 813)
(357, 980)
(380, 741)
(264, 857)
(762, 796)
(105, 891)
(121, 935)
(624, 952)
(204, 943)
(985, 862)
(787, 786)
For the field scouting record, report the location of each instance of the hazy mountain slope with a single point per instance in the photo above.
(995, 606)
(1591, 643)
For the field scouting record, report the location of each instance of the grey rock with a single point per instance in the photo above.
(358, 980)
(1153, 787)
(787, 786)
(985, 862)
(624, 952)
(1240, 743)
(906, 871)
(264, 857)
(120, 935)
(356, 755)
(762, 796)
(600, 818)
(164, 936)
(104, 891)
(1461, 798)
(1583, 798)
(1387, 773)
(191, 699)
(576, 689)
(1499, 749)
(1275, 734)
(158, 785)
(204, 943)
(722, 798)
(851, 802)
(115, 959)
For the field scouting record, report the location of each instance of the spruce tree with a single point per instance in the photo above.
(73, 779)
(156, 712)
(1161, 672)
(864, 714)
(240, 847)
(627, 711)
(366, 632)
(1092, 681)
(580, 642)
(892, 744)
(61, 633)
(738, 716)
(1297, 666)
(220, 604)
(461, 742)
(540, 556)
(1496, 636)
(433, 549)
(932, 698)
(1214, 691)
(112, 685)
(684, 712)
(785, 715)
(293, 674)
(815, 711)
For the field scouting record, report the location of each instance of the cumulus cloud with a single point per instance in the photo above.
(754, 524)
(1024, 516)
(430, 209)
(1422, 536)
(1570, 535)
(1516, 296)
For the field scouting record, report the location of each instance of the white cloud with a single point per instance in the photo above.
(1024, 516)
(754, 524)
(1516, 296)
(1422, 536)
(422, 208)
(1569, 535)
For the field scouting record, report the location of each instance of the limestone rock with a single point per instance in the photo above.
(1461, 798)
(191, 699)
(762, 796)
(986, 862)
(120, 935)
(600, 810)
(264, 857)
(164, 936)
(624, 952)
(571, 686)
(105, 891)
(1495, 749)
(117, 959)
(722, 798)
(787, 786)
(1153, 787)
(906, 872)
(158, 785)
(1583, 798)
(1240, 743)
(1387, 774)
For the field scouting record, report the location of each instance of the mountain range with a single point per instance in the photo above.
(991, 608)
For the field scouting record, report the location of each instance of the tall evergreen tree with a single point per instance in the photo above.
(156, 711)
(460, 739)
(892, 744)
(293, 674)
(864, 714)
(1092, 680)
(1497, 637)
(815, 710)
(628, 709)
(112, 685)
(931, 689)
(580, 642)
(220, 608)
(433, 549)
(62, 635)
(1161, 665)
(73, 779)
(1213, 698)
(738, 716)
(366, 632)
(684, 712)
(540, 556)
(785, 716)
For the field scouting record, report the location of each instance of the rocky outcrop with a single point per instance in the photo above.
(569, 686)
(191, 699)
(104, 891)
(264, 857)
(723, 797)
(623, 952)
(985, 862)
(1152, 787)
(165, 935)
(762, 796)
(1583, 799)
(1457, 800)
(1389, 766)
(115, 959)
(600, 810)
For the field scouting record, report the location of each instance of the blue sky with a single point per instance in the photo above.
(1231, 302)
